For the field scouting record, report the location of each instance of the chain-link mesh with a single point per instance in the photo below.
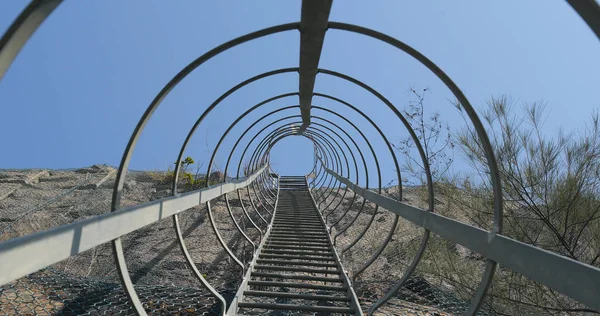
(512, 293)
(88, 283)
(51, 292)
(36, 200)
(443, 282)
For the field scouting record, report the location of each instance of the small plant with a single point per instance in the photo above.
(189, 178)
(185, 164)
(433, 134)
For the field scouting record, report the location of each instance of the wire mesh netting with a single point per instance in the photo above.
(51, 292)
(443, 282)
(88, 283)
(35, 200)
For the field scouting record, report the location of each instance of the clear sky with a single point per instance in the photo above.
(74, 94)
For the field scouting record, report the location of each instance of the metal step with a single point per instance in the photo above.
(299, 246)
(311, 297)
(300, 221)
(298, 253)
(299, 236)
(278, 256)
(293, 244)
(296, 247)
(296, 244)
(298, 228)
(295, 269)
(296, 263)
(293, 220)
(297, 285)
(294, 277)
(276, 247)
(299, 233)
(299, 224)
(295, 239)
(325, 309)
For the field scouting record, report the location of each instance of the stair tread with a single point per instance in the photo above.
(296, 285)
(297, 253)
(330, 309)
(306, 296)
(294, 276)
(298, 263)
(298, 269)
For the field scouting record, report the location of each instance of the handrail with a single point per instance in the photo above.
(56, 244)
(233, 307)
(27, 254)
(582, 283)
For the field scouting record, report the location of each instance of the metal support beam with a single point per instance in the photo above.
(27, 254)
(21, 30)
(582, 282)
(313, 24)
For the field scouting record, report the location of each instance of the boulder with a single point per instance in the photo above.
(216, 176)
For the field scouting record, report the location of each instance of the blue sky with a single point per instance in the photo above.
(74, 94)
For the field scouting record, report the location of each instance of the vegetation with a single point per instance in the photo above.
(550, 187)
(550, 191)
(435, 138)
(187, 180)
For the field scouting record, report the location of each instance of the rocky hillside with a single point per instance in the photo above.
(36, 200)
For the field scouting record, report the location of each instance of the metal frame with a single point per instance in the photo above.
(338, 260)
(233, 307)
(313, 25)
(22, 29)
(122, 170)
(65, 241)
(581, 282)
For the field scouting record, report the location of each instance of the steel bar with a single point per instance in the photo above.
(324, 309)
(313, 24)
(239, 295)
(589, 11)
(131, 144)
(581, 283)
(22, 29)
(297, 285)
(479, 129)
(54, 245)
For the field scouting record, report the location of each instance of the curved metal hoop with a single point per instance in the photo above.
(122, 171)
(37, 11)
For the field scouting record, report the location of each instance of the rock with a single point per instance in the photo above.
(110, 174)
(421, 287)
(24, 178)
(92, 169)
(7, 190)
(128, 185)
(35, 178)
(216, 176)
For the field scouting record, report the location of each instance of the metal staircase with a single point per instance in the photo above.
(296, 267)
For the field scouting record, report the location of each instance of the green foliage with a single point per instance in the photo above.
(184, 164)
(189, 180)
(550, 188)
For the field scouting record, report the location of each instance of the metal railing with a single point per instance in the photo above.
(570, 277)
(339, 157)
